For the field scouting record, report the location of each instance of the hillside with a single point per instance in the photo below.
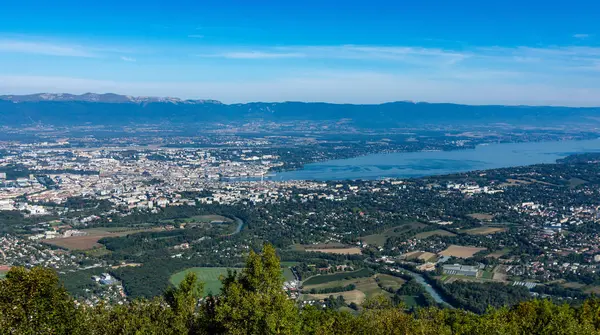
(113, 109)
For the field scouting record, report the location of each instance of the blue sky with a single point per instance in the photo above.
(477, 52)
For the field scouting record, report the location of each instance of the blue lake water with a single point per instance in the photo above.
(427, 163)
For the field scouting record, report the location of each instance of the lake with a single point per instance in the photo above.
(427, 163)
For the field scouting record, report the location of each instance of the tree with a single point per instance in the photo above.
(253, 301)
(33, 302)
(184, 299)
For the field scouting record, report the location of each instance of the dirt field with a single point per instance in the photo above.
(484, 230)
(339, 251)
(90, 241)
(460, 251)
(482, 216)
(354, 296)
(419, 255)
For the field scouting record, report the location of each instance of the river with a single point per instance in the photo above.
(430, 289)
(427, 163)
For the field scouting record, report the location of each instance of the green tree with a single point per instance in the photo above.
(33, 302)
(253, 301)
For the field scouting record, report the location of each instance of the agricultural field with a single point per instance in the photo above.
(90, 241)
(422, 255)
(485, 230)
(209, 276)
(367, 287)
(329, 248)
(461, 251)
(335, 277)
(354, 296)
(381, 238)
(437, 232)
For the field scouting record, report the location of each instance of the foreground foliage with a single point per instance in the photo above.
(252, 302)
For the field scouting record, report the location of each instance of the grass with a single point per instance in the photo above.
(370, 288)
(500, 253)
(410, 301)
(381, 238)
(322, 279)
(438, 232)
(289, 263)
(574, 182)
(390, 281)
(485, 230)
(97, 252)
(287, 274)
(209, 276)
(487, 275)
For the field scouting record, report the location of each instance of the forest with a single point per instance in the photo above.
(252, 302)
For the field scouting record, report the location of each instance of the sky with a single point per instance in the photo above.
(475, 52)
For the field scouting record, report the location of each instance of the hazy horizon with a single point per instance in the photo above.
(468, 52)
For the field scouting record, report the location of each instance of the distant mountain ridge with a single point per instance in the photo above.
(112, 109)
(95, 97)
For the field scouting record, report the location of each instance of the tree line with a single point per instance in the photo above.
(252, 302)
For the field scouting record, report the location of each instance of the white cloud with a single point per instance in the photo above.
(44, 48)
(128, 59)
(196, 36)
(581, 36)
(255, 55)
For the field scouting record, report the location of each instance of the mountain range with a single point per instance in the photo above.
(113, 109)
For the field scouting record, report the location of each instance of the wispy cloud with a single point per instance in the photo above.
(414, 55)
(255, 55)
(45, 48)
(195, 36)
(128, 59)
(581, 36)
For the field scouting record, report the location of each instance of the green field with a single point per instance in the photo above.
(487, 275)
(381, 238)
(209, 276)
(410, 301)
(322, 279)
(390, 281)
(287, 274)
(438, 232)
